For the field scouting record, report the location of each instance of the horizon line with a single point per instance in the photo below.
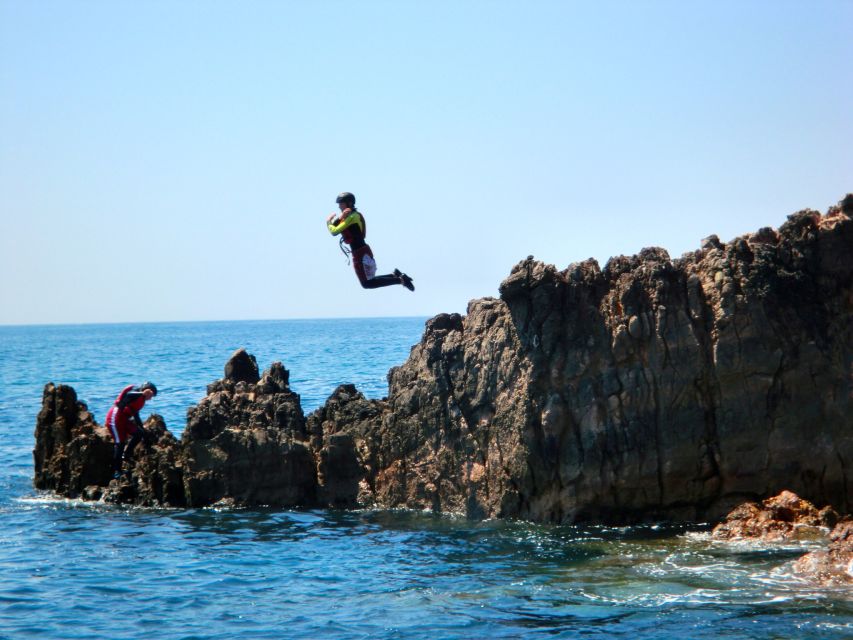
(4, 325)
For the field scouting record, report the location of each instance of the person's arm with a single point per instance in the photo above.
(351, 219)
(129, 397)
(146, 437)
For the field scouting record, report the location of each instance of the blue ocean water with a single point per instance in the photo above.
(74, 570)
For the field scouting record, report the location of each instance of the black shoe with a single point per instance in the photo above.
(407, 282)
(399, 273)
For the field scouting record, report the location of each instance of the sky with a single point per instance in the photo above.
(176, 161)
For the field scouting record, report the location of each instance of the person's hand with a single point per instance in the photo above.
(331, 217)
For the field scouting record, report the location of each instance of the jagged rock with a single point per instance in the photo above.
(654, 388)
(651, 389)
(158, 471)
(341, 468)
(245, 443)
(241, 367)
(780, 518)
(787, 518)
(834, 565)
(248, 442)
(72, 451)
(73, 455)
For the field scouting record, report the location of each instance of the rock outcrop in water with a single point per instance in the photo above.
(781, 518)
(832, 566)
(786, 518)
(650, 389)
(245, 443)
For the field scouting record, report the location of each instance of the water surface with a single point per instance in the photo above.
(79, 570)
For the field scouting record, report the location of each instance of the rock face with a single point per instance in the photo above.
(247, 443)
(70, 453)
(654, 388)
(650, 389)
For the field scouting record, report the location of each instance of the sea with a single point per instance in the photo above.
(71, 569)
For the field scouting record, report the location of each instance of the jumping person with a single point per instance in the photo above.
(351, 226)
(123, 420)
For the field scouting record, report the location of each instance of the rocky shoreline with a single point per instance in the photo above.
(788, 518)
(650, 389)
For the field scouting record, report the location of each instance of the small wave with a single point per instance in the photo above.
(54, 501)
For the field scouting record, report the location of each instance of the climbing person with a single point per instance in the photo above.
(352, 228)
(123, 421)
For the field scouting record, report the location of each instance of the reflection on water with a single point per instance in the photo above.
(389, 574)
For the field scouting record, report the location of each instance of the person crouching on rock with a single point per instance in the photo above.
(123, 420)
(350, 224)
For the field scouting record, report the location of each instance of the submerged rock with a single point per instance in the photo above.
(787, 518)
(834, 565)
(781, 518)
(654, 388)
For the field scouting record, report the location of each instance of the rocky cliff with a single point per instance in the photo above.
(650, 389)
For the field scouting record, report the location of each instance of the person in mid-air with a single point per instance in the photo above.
(351, 226)
(123, 421)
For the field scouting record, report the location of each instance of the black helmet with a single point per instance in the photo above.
(148, 385)
(345, 197)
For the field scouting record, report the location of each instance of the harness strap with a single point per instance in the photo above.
(344, 249)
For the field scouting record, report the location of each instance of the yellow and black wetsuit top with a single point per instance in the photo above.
(353, 227)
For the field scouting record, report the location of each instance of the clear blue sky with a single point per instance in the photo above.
(176, 160)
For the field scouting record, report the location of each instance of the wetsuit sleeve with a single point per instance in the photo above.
(129, 397)
(351, 219)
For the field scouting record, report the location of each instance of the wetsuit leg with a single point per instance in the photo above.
(380, 281)
(114, 426)
(365, 270)
(118, 451)
(131, 445)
